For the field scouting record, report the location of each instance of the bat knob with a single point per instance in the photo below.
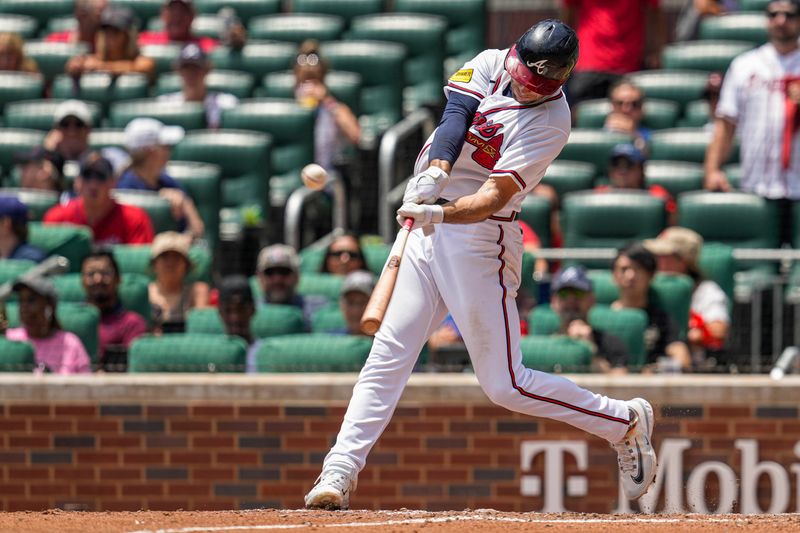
(370, 326)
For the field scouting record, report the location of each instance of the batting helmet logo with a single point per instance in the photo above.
(541, 66)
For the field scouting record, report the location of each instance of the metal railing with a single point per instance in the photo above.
(301, 197)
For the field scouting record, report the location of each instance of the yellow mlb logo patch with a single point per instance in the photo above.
(463, 75)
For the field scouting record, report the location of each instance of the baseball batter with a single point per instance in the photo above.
(506, 119)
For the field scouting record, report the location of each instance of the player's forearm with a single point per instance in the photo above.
(721, 143)
(475, 207)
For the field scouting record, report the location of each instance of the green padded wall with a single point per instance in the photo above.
(313, 352)
(555, 354)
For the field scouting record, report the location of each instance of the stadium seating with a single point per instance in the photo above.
(23, 25)
(203, 25)
(79, 318)
(741, 26)
(270, 320)
(100, 138)
(568, 176)
(314, 352)
(101, 87)
(753, 5)
(348, 9)
(135, 259)
(157, 207)
(716, 263)
(680, 86)
(133, 292)
(535, 212)
(555, 354)
(592, 146)
(320, 284)
(658, 114)
(684, 144)
(202, 183)
(38, 201)
(189, 115)
(675, 176)
(344, 86)
(164, 56)
(424, 39)
(16, 356)
(67, 240)
(187, 352)
(38, 114)
(10, 269)
(143, 9)
(673, 294)
(59, 24)
(696, 115)
(375, 255)
(328, 319)
(291, 127)
(702, 55)
(14, 140)
(297, 27)
(257, 57)
(245, 9)
(41, 10)
(239, 84)
(51, 57)
(16, 86)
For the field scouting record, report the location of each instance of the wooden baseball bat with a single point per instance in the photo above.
(376, 307)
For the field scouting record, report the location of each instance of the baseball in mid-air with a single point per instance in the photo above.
(314, 176)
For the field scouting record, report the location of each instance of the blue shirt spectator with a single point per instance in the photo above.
(14, 231)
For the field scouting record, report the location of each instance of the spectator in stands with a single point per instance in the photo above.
(40, 169)
(149, 143)
(57, 351)
(115, 51)
(572, 297)
(613, 38)
(677, 251)
(110, 222)
(633, 270)
(356, 290)
(711, 95)
(172, 295)
(177, 17)
(278, 271)
(344, 255)
(12, 54)
(627, 112)
(626, 172)
(14, 232)
(118, 327)
(237, 308)
(87, 15)
(759, 98)
(694, 11)
(334, 120)
(72, 124)
(193, 65)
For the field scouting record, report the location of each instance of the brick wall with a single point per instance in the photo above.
(227, 442)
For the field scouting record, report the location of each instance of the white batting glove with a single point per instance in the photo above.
(423, 214)
(426, 187)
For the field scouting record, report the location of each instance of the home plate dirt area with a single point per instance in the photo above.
(483, 520)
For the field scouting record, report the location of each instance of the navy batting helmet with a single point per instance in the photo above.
(543, 58)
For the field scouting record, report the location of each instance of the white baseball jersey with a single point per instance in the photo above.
(753, 96)
(506, 137)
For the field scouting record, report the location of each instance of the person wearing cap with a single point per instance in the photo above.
(87, 15)
(69, 137)
(40, 169)
(572, 297)
(353, 298)
(110, 222)
(758, 104)
(193, 66)
(172, 294)
(278, 272)
(118, 327)
(177, 17)
(633, 269)
(677, 251)
(627, 112)
(56, 351)
(115, 49)
(14, 232)
(236, 309)
(149, 143)
(626, 171)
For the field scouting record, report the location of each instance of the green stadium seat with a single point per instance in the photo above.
(465, 36)
(568, 176)
(143, 9)
(754, 5)
(164, 56)
(320, 284)
(189, 115)
(133, 293)
(41, 10)
(102, 88)
(239, 84)
(348, 9)
(187, 352)
(79, 318)
(658, 114)
(245, 9)
(257, 57)
(716, 263)
(67, 240)
(291, 127)
(16, 356)
(743, 26)
(157, 207)
(202, 183)
(100, 138)
(203, 25)
(555, 354)
(381, 67)
(311, 258)
(23, 25)
(14, 140)
(592, 146)
(135, 259)
(680, 86)
(696, 115)
(610, 219)
(327, 319)
(243, 156)
(204, 320)
(38, 114)
(59, 24)
(344, 86)
(683, 144)
(375, 255)
(272, 320)
(38, 201)
(793, 287)
(535, 212)
(605, 290)
(51, 57)
(17, 86)
(734, 173)
(702, 55)
(673, 294)
(313, 352)
(11, 269)
(675, 176)
(424, 39)
(297, 27)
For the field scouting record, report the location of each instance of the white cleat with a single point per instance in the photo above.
(635, 453)
(331, 492)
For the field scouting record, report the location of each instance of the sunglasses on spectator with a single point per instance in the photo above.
(278, 271)
(569, 291)
(339, 253)
(778, 12)
(105, 274)
(622, 162)
(94, 175)
(73, 123)
(635, 104)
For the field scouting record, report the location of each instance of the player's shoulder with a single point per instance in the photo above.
(553, 113)
(752, 60)
(488, 59)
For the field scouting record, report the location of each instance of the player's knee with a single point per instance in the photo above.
(502, 394)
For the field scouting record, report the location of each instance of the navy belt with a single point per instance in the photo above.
(512, 218)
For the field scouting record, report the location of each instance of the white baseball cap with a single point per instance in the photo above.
(73, 108)
(147, 132)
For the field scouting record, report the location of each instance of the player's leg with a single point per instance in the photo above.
(415, 310)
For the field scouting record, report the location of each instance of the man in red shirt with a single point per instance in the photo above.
(177, 17)
(111, 222)
(613, 35)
